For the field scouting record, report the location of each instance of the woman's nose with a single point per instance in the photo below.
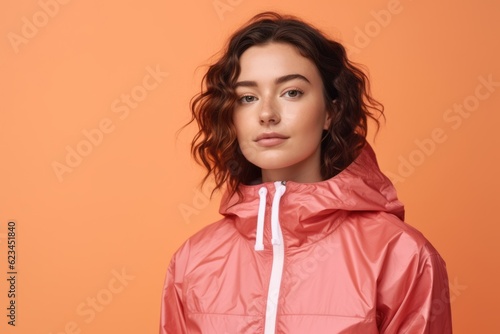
(269, 113)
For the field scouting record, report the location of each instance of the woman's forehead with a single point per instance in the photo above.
(272, 61)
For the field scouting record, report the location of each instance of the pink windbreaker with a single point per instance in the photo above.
(327, 257)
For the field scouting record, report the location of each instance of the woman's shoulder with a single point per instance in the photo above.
(203, 243)
(390, 234)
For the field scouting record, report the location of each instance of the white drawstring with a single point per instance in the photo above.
(275, 211)
(259, 234)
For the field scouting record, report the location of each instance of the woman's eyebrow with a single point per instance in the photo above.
(291, 77)
(279, 80)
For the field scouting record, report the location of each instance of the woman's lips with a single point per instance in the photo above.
(270, 139)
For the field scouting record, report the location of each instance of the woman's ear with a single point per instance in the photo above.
(328, 120)
(329, 113)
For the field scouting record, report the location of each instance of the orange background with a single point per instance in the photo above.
(128, 204)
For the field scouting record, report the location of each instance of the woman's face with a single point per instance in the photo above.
(281, 113)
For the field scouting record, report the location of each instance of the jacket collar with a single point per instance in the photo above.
(309, 211)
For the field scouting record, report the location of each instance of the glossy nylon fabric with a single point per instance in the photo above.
(351, 265)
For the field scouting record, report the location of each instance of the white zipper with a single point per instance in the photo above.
(278, 261)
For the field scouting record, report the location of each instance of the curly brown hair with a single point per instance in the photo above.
(346, 92)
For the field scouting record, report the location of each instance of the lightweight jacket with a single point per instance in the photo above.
(327, 257)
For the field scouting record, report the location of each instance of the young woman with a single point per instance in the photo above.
(312, 238)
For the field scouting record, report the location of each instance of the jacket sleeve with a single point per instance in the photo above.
(413, 294)
(172, 320)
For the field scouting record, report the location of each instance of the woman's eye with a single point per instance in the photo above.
(293, 93)
(247, 99)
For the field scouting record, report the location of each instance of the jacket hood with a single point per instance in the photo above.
(308, 211)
